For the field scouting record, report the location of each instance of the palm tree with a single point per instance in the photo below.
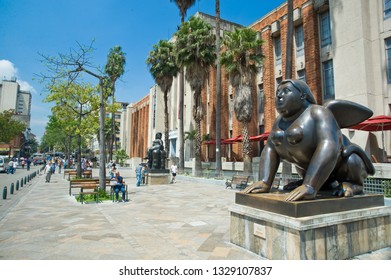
(241, 55)
(195, 48)
(183, 6)
(162, 65)
(115, 67)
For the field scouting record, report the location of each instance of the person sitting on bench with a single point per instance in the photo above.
(119, 186)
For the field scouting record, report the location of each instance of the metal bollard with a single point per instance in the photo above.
(21, 183)
(17, 185)
(12, 188)
(5, 192)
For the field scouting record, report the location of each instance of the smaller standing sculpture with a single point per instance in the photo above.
(309, 136)
(156, 154)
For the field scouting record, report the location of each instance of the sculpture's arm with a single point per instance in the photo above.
(268, 166)
(326, 154)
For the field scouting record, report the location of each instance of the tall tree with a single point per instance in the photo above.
(241, 56)
(218, 94)
(195, 48)
(115, 68)
(183, 6)
(76, 104)
(70, 67)
(163, 68)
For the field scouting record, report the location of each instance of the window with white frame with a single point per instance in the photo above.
(388, 59)
(325, 29)
(261, 108)
(328, 80)
(299, 39)
(301, 75)
(387, 9)
(277, 50)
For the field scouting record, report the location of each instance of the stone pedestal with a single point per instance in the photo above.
(339, 234)
(159, 178)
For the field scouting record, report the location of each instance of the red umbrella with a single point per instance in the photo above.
(378, 123)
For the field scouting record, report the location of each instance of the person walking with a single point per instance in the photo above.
(174, 169)
(10, 166)
(139, 170)
(28, 163)
(48, 172)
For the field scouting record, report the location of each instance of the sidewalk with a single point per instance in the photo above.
(188, 220)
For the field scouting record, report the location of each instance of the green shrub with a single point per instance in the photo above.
(387, 188)
(103, 195)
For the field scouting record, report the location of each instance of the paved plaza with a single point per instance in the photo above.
(188, 220)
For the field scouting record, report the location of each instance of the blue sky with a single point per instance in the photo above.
(28, 28)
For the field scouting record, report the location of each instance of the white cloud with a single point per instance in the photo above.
(9, 71)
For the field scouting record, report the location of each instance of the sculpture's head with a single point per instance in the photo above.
(158, 135)
(292, 96)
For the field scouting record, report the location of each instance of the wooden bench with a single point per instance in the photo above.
(66, 172)
(72, 173)
(92, 188)
(240, 181)
(87, 174)
(78, 183)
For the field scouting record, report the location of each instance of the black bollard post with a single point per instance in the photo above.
(17, 185)
(25, 180)
(12, 188)
(21, 183)
(5, 193)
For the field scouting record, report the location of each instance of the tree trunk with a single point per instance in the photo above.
(287, 167)
(247, 150)
(102, 164)
(166, 128)
(181, 124)
(197, 140)
(219, 172)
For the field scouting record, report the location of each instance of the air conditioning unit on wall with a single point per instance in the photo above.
(297, 15)
(275, 28)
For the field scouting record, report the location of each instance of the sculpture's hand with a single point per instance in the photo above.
(257, 187)
(304, 192)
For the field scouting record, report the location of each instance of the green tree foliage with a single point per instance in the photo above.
(241, 55)
(162, 65)
(195, 48)
(70, 67)
(76, 109)
(121, 156)
(9, 126)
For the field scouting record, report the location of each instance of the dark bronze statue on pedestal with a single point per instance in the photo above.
(156, 154)
(309, 136)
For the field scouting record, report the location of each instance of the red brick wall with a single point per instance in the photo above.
(139, 128)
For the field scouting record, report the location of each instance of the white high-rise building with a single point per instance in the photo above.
(13, 98)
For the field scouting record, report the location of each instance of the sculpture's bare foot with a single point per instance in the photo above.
(257, 187)
(348, 189)
(302, 193)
